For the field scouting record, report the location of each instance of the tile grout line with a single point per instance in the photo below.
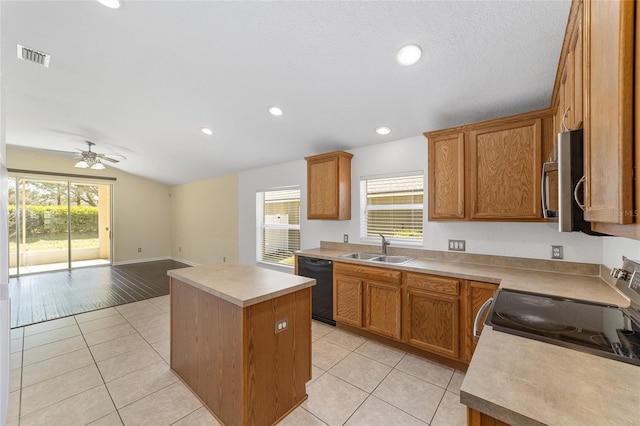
(99, 372)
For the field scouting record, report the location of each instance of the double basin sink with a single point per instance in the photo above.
(380, 258)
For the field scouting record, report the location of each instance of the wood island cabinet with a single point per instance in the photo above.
(489, 170)
(329, 186)
(433, 314)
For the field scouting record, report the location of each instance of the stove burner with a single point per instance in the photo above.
(535, 322)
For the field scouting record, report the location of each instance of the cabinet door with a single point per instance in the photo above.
(347, 300)
(608, 115)
(446, 176)
(433, 322)
(322, 185)
(382, 307)
(476, 294)
(505, 171)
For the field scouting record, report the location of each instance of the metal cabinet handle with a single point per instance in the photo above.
(476, 322)
(575, 192)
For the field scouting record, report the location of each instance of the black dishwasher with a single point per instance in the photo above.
(321, 293)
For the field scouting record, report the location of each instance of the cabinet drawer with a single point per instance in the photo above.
(368, 272)
(435, 284)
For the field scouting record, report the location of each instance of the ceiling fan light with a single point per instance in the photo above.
(409, 54)
(111, 4)
(98, 166)
(82, 164)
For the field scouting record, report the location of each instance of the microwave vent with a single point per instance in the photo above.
(31, 55)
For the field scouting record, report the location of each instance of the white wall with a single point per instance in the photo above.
(141, 208)
(614, 248)
(204, 221)
(532, 240)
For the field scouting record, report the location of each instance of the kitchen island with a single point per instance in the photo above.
(241, 340)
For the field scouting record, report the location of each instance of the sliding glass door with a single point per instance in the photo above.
(58, 224)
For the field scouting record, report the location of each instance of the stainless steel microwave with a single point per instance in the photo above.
(568, 172)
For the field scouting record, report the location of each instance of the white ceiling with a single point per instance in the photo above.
(142, 80)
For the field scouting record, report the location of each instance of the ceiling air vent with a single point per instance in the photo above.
(32, 55)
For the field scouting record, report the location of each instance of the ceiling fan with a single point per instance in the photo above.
(92, 160)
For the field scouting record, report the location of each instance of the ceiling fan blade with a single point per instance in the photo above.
(103, 157)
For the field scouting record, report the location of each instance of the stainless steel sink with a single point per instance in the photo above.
(361, 256)
(382, 258)
(396, 260)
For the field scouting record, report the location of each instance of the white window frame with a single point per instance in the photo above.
(397, 241)
(260, 196)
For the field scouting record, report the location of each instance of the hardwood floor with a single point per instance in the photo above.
(51, 295)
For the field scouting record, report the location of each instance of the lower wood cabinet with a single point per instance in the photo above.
(433, 322)
(382, 307)
(476, 294)
(347, 300)
(476, 418)
(432, 313)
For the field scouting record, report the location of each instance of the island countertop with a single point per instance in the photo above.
(242, 285)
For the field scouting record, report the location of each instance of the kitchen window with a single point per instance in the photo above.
(392, 206)
(278, 226)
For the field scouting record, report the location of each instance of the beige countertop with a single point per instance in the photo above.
(526, 382)
(242, 285)
(584, 287)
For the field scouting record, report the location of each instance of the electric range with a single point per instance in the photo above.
(600, 329)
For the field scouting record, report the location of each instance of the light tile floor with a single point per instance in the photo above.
(110, 367)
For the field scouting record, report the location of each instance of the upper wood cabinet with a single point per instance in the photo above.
(329, 186)
(506, 170)
(446, 176)
(489, 170)
(567, 99)
(608, 110)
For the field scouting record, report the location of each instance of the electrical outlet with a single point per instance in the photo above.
(139, 249)
(556, 252)
(457, 245)
(282, 325)
(346, 238)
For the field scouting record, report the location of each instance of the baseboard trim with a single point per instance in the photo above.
(188, 262)
(151, 259)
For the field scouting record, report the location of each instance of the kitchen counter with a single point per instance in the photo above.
(526, 382)
(242, 285)
(241, 340)
(584, 287)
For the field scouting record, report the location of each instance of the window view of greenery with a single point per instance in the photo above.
(279, 219)
(41, 214)
(393, 207)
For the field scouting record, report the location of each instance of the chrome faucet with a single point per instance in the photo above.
(385, 243)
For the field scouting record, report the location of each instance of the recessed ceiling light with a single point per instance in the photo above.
(206, 131)
(113, 4)
(409, 54)
(383, 130)
(274, 110)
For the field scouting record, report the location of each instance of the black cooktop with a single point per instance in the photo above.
(595, 328)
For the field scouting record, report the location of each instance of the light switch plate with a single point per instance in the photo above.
(457, 245)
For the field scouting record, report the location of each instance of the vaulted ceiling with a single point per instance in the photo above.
(142, 80)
